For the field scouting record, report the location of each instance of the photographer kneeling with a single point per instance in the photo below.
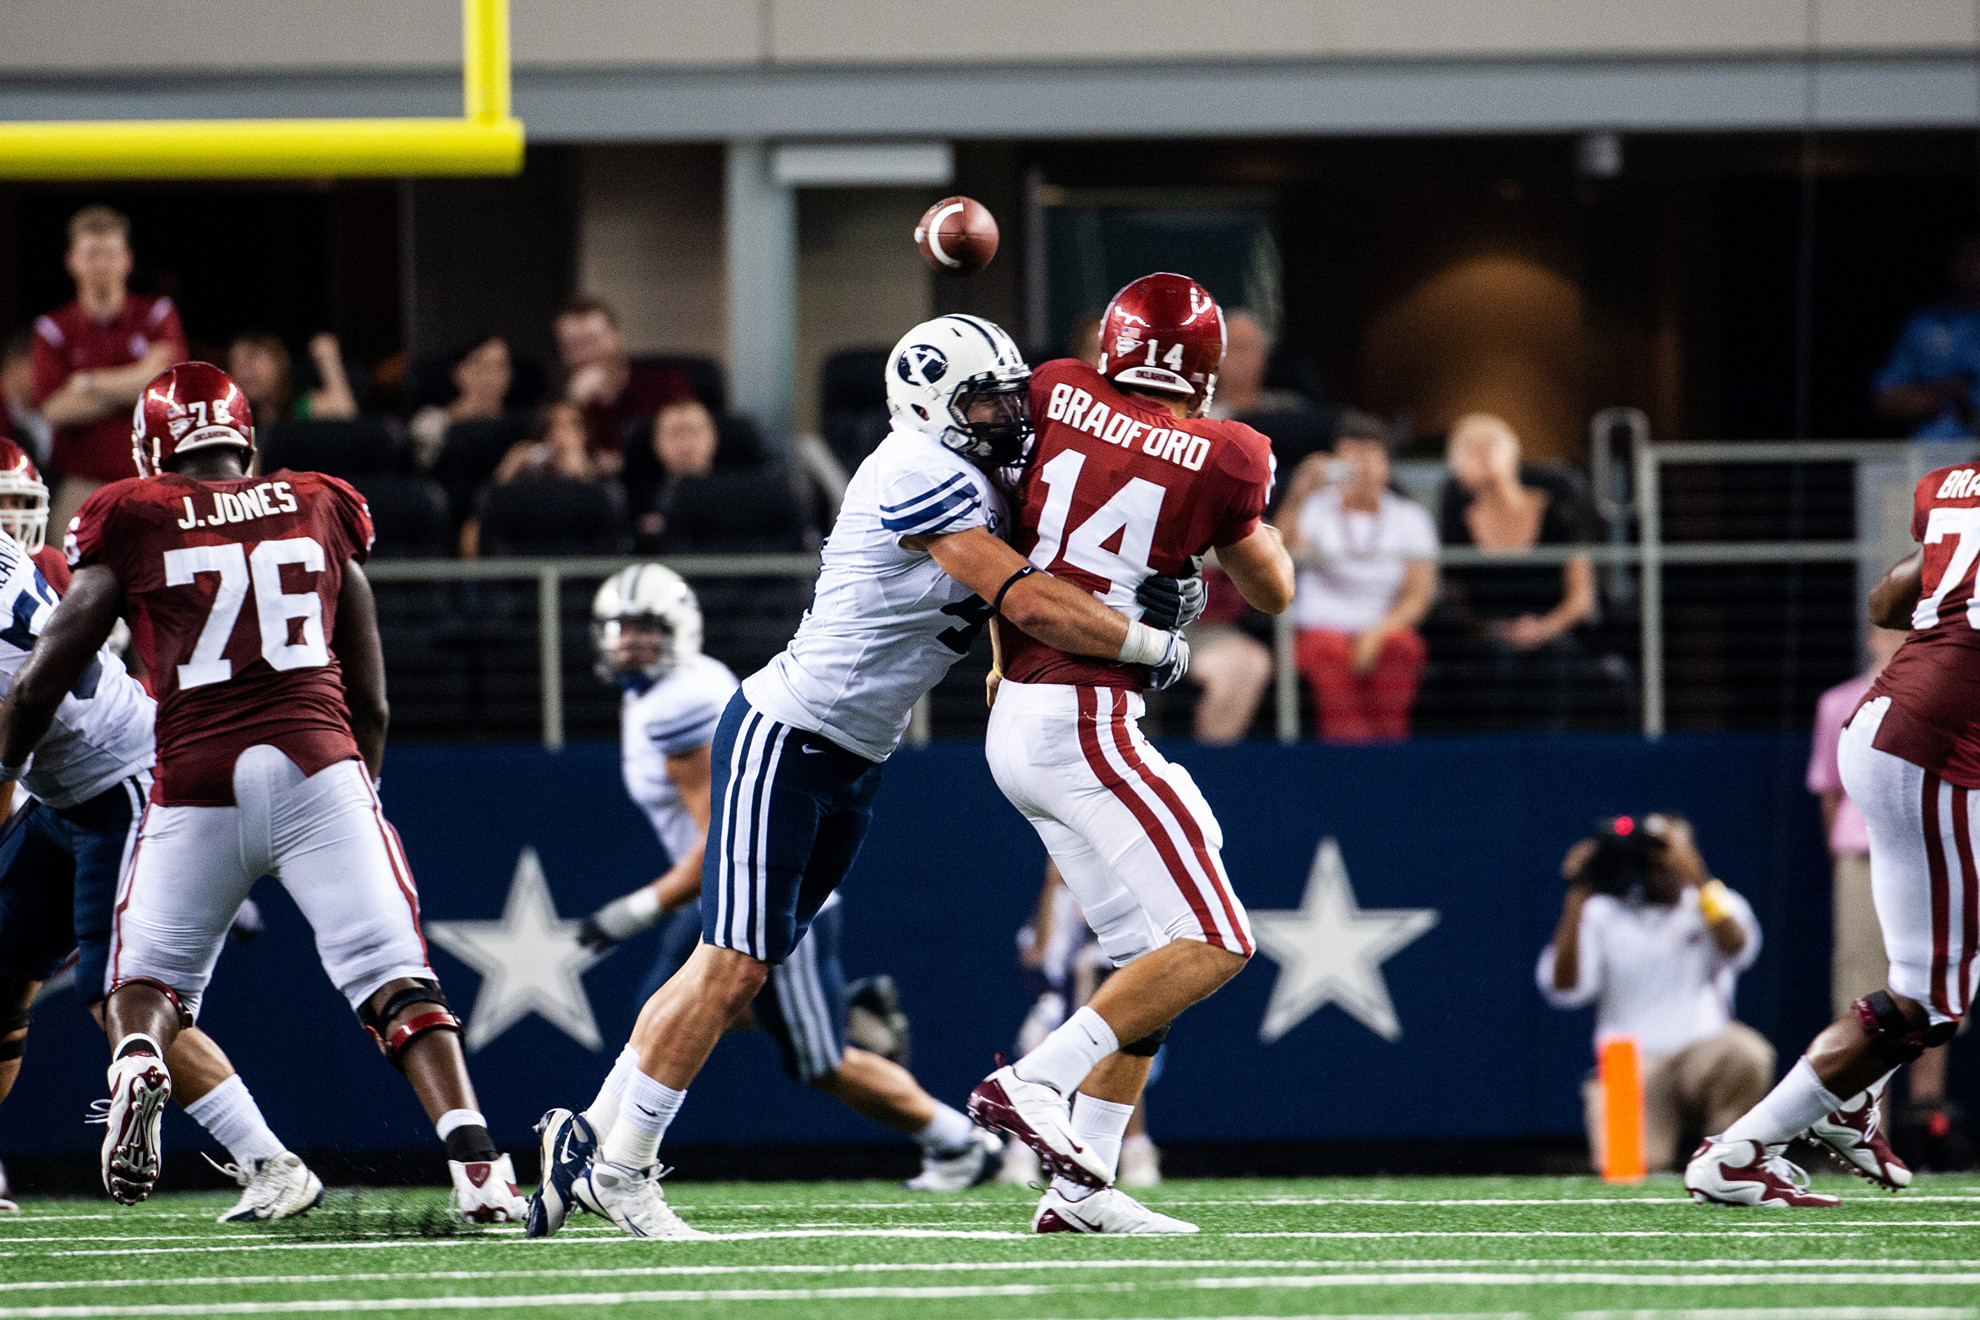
(1655, 943)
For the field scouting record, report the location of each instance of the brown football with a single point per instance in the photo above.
(957, 236)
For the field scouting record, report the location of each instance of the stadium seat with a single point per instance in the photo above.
(341, 448)
(852, 402)
(739, 447)
(1295, 435)
(409, 515)
(735, 513)
(430, 382)
(553, 516)
(470, 454)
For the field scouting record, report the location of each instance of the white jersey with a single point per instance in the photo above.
(102, 729)
(886, 622)
(671, 718)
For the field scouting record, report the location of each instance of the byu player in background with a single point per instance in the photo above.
(62, 851)
(913, 570)
(646, 626)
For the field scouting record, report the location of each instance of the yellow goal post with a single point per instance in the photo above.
(486, 139)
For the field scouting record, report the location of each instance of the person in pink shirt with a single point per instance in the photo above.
(1857, 965)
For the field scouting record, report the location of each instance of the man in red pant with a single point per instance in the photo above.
(1358, 608)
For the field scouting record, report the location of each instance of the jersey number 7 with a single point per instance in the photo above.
(283, 644)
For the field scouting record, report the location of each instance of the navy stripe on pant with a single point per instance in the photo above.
(789, 809)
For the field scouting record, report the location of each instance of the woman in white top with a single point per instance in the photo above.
(1357, 611)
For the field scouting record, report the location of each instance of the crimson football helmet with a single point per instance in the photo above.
(23, 498)
(1164, 332)
(194, 405)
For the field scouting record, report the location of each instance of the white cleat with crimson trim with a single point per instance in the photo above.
(1750, 1173)
(1109, 1210)
(1041, 1118)
(1852, 1135)
(485, 1191)
(132, 1155)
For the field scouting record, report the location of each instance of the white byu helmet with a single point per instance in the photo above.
(943, 366)
(646, 597)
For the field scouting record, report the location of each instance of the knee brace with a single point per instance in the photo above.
(1145, 1047)
(392, 1037)
(185, 1018)
(1891, 1034)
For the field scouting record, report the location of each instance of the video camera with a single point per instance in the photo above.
(1626, 847)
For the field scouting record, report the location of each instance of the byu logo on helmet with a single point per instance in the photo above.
(922, 364)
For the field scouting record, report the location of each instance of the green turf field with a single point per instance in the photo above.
(1406, 1246)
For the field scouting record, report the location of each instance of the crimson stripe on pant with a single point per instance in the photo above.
(1162, 789)
(1969, 890)
(1111, 780)
(1935, 861)
(401, 873)
(124, 900)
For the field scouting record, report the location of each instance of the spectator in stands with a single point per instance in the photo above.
(609, 387)
(482, 373)
(19, 421)
(1357, 612)
(1656, 944)
(1241, 388)
(685, 439)
(1930, 1126)
(1517, 621)
(93, 357)
(1932, 381)
(558, 448)
(259, 362)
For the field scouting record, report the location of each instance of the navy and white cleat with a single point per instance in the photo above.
(976, 1162)
(632, 1199)
(274, 1188)
(568, 1145)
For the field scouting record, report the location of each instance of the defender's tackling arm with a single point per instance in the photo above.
(67, 645)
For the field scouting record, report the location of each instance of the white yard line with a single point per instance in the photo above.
(543, 1301)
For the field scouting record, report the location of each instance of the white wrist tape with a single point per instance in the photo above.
(1144, 645)
(625, 917)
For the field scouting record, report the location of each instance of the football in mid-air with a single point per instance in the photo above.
(957, 236)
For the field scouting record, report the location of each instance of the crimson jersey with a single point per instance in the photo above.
(68, 340)
(1117, 490)
(231, 591)
(1934, 680)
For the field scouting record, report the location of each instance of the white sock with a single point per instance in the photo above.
(1786, 1111)
(1063, 1058)
(645, 1109)
(950, 1129)
(1101, 1124)
(230, 1114)
(445, 1125)
(604, 1111)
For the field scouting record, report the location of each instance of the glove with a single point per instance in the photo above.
(1168, 671)
(620, 919)
(1169, 603)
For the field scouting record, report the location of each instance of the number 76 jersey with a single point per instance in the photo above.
(1118, 490)
(230, 588)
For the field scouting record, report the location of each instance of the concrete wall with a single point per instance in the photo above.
(151, 35)
(650, 240)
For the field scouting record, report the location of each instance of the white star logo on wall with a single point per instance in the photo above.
(530, 962)
(1330, 950)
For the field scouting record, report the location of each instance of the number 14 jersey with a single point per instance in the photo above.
(230, 588)
(1934, 680)
(1118, 490)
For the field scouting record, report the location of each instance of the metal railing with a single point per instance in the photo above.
(1650, 554)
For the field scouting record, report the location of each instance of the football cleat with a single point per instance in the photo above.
(485, 1191)
(1853, 1138)
(132, 1157)
(632, 1199)
(1141, 1163)
(1109, 1210)
(1750, 1173)
(972, 1165)
(274, 1188)
(1041, 1118)
(568, 1144)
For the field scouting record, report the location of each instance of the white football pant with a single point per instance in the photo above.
(1132, 835)
(1924, 837)
(325, 838)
